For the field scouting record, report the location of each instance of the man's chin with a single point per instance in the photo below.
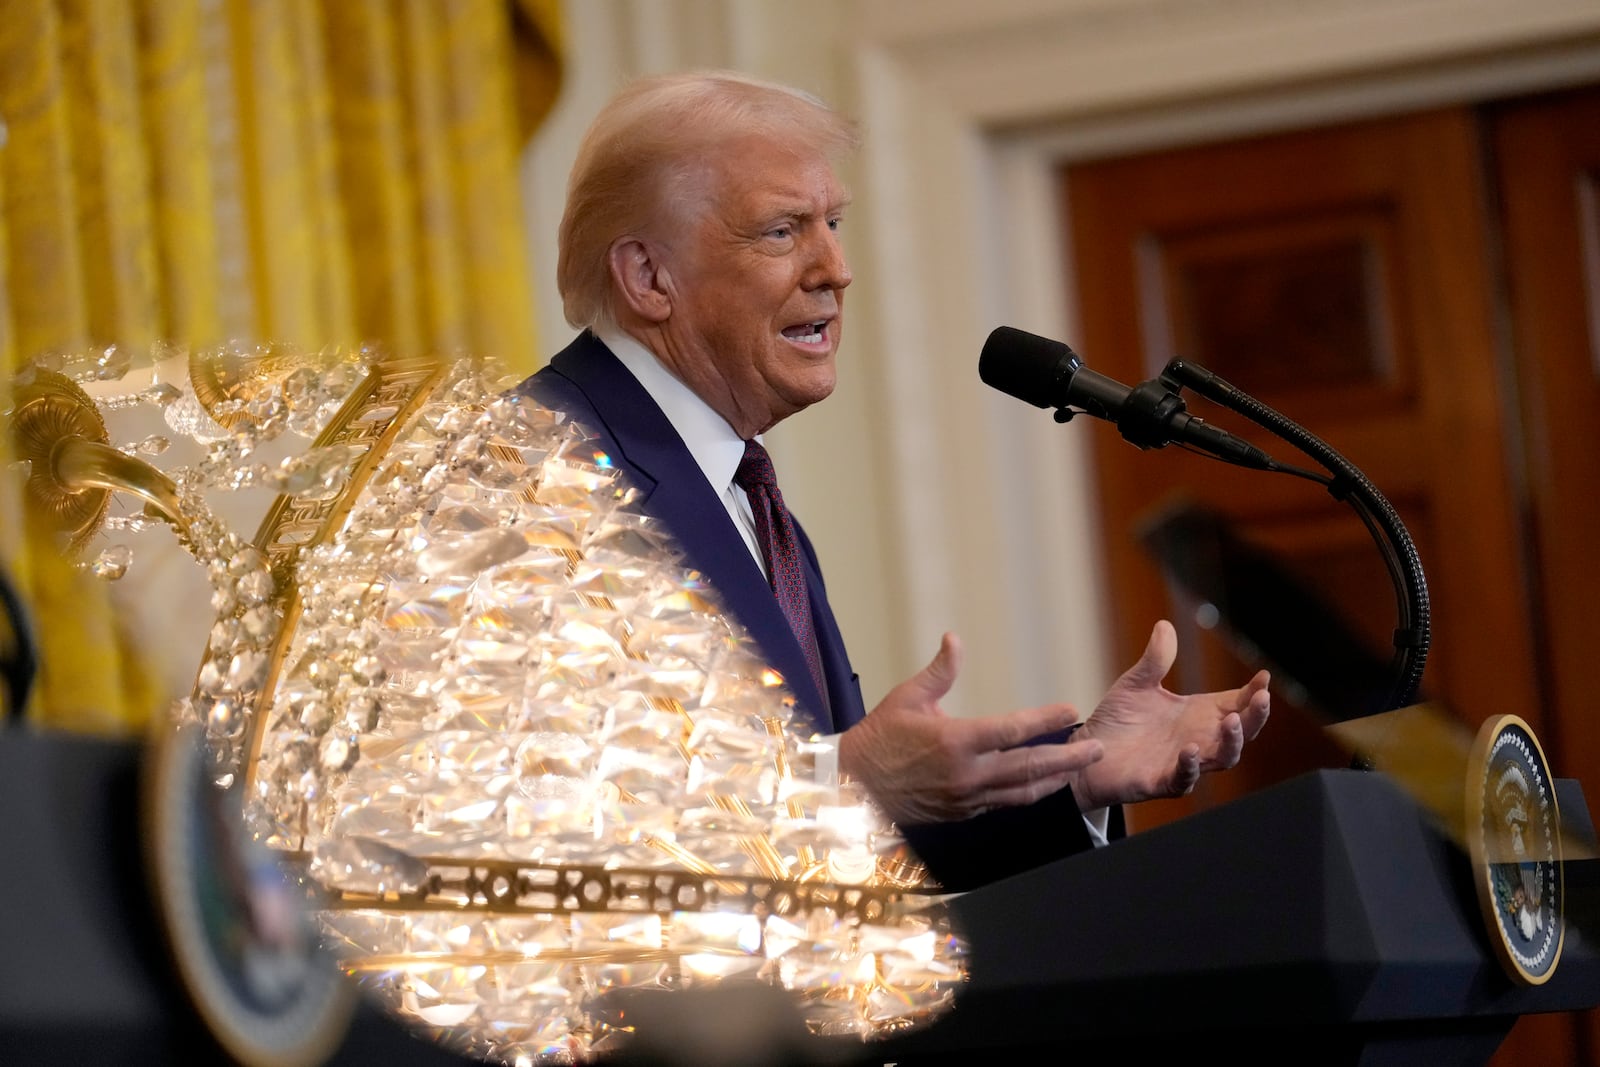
(818, 387)
(802, 394)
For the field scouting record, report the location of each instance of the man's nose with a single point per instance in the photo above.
(830, 271)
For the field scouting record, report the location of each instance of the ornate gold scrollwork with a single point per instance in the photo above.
(74, 469)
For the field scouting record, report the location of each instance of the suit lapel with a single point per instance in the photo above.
(675, 490)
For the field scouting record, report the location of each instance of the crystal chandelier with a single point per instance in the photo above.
(473, 696)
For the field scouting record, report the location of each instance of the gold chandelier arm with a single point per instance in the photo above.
(79, 463)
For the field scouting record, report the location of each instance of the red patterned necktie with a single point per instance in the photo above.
(775, 532)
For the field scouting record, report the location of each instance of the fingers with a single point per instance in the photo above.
(1011, 796)
(1255, 687)
(1025, 775)
(993, 732)
(1230, 745)
(934, 681)
(1255, 705)
(1187, 773)
(1159, 654)
(1020, 766)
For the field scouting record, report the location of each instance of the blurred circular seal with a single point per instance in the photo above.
(1514, 840)
(235, 926)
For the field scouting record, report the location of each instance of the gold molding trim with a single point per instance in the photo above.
(48, 410)
(509, 887)
(81, 464)
(372, 417)
(220, 379)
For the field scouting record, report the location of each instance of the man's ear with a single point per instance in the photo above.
(641, 278)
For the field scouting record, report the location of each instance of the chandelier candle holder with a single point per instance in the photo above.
(472, 696)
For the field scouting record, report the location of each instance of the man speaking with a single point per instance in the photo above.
(700, 254)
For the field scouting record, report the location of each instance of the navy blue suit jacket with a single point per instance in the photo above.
(591, 385)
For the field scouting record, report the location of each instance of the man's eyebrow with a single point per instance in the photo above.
(798, 212)
(801, 209)
(805, 214)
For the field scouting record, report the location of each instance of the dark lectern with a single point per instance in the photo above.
(84, 974)
(1325, 920)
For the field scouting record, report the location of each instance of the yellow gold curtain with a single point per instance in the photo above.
(308, 171)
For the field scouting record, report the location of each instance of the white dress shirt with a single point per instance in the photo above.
(716, 448)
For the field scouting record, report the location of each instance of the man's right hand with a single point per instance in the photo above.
(925, 766)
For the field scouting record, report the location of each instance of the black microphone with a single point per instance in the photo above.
(1048, 374)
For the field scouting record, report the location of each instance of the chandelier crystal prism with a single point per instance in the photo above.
(475, 698)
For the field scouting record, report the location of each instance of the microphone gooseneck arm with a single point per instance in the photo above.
(1414, 634)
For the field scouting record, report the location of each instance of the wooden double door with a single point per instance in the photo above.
(1423, 293)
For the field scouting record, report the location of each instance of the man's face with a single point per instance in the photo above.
(756, 276)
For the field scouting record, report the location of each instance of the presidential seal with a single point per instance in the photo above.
(1514, 839)
(235, 926)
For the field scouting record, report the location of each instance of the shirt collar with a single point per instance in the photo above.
(716, 448)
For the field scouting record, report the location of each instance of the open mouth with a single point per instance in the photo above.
(807, 333)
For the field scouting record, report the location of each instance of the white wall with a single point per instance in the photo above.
(935, 503)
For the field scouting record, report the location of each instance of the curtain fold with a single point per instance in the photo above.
(484, 139)
(434, 175)
(314, 172)
(173, 91)
(301, 270)
(45, 275)
(110, 164)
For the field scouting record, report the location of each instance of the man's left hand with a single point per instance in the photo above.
(1157, 743)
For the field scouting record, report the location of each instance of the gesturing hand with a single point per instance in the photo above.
(1157, 743)
(924, 766)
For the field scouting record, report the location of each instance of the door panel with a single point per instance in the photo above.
(1348, 277)
(1298, 306)
(1342, 277)
(1547, 165)
(1423, 293)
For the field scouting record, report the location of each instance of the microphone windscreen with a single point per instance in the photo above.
(1027, 366)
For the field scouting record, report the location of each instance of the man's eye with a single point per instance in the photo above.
(834, 224)
(780, 232)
